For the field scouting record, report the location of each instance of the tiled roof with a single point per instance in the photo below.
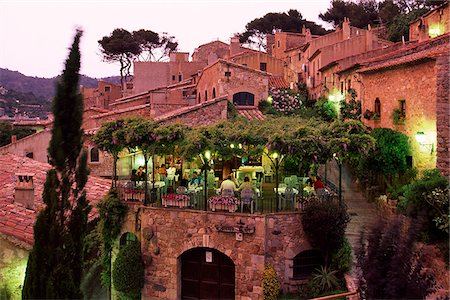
(278, 82)
(16, 220)
(251, 113)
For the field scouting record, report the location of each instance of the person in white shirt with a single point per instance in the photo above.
(228, 184)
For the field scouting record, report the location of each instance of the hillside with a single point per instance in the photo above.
(31, 96)
(41, 87)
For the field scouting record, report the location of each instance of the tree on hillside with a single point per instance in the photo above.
(120, 46)
(292, 21)
(360, 14)
(123, 47)
(54, 267)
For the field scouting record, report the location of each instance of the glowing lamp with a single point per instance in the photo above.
(232, 146)
(435, 29)
(275, 155)
(269, 99)
(421, 138)
(240, 146)
(208, 154)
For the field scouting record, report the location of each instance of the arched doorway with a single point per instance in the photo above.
(206, 274)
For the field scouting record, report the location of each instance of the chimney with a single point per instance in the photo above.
(235, 46)
(346, 29)
(24, 190)
(13, 138)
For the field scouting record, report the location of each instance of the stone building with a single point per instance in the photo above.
(218, 255)
(432, 24)
(102, 95)
(408, 90)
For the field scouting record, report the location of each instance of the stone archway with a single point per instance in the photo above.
(207, 273)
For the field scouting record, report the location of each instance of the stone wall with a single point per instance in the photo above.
(443, 112)
(416, 84)
(167, 233)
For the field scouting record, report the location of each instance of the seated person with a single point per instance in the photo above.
(133, 176)
(228, 184)
(140, 174)
(310, 180)
(171, 170)
(162, 172)
(196, 179)
(318, 184)
(246, 185)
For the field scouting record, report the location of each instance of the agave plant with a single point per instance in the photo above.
(325, 279)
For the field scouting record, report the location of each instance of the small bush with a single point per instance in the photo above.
(271, 283)
(324, 224)
(128, 271)
(341, 260)
(326, 109)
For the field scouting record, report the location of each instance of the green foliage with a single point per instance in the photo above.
(266, 107)
(352, 108)
(232, 112)
(5, 133)
(325, 279)
(123, 47)
(112, 214)
(292, 21)
(270, 283)
(55, 264)
(326, 109)
(5, 293)
(391, 149)
(324, 224)
(397, 117)
(399, 26)
(128, 271)
(360, 14)
(427, 196)
(341, 259)
(391, 266)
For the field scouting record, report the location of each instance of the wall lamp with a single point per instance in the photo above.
(424, 142)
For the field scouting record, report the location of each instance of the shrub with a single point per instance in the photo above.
(341, 260)
(390, 266)
(286, 101)
(428, 197)
(271, 283)
(326, 109)
(128, 271)
(324, 224)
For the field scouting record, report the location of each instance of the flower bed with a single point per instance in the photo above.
(176, 200)
(133, 194)
(223, 203)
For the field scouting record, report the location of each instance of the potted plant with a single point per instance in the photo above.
(223, 203)
(176, 200)
(398, 117)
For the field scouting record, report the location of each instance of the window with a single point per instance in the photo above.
(325, 81)
(199, 98)
(95, 155)
(244, 99)
(263, 66)
(299, 57)
(173, 77)
(127, 238)
(29, 155)
(306, 262)
(349, 85)
(377, 106)
(403, 108)
(278, 44)
(244, 65)
(180, 77)
(342, 87)
(107, 88)
(214, 93)
(206, 95)
(227, 73)
(409, 161)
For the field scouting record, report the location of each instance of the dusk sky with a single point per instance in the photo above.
(35, 35)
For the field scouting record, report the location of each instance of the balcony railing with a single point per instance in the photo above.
(264, 201)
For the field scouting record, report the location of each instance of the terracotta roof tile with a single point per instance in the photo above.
(278, 82)
(251, 114)
(16, 220)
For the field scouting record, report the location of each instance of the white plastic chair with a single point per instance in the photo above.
(288, 196)
(247, 198)
(228, 193)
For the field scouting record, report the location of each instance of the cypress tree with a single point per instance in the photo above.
(55, 263)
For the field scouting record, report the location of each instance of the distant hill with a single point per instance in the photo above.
(41, 87)
(32, 96)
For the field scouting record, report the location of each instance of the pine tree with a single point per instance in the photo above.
(55, 263)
